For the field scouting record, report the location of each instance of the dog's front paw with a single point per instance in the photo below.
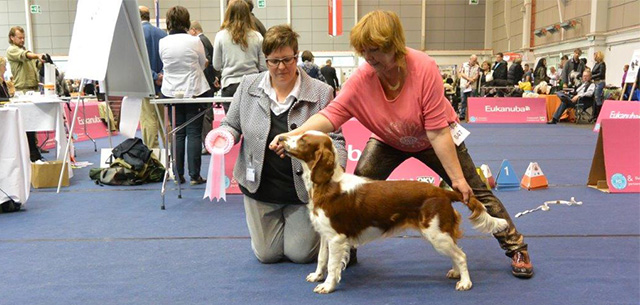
(463, 285)
(315, 277)
(453, 274)
(324, 288)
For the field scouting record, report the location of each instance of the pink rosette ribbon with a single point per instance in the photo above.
(216, 178)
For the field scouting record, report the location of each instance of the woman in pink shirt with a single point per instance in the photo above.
(398, 95)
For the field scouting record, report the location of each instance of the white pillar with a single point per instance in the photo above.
(488, 24)
(597, 27)
(526, 26)
(423, 26)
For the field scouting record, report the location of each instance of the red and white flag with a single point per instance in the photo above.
(335, 17)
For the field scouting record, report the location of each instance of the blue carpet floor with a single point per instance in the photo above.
(113, 245)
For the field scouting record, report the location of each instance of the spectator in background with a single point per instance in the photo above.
(583, 61)
(598, 75)
(237, 48)
(553, 76)
(184, 60)
(485, 68)
(212, 76)
(468, 76)
(330, 76)
(4, 89)
(257, 24)
(584, 92)
(572, 70)
(25, 67)
(500, 71)
(150, 123)
(624, 76)
(563, 61)
(310, 67)
(527, 71)
(515, 74)
(540, 72)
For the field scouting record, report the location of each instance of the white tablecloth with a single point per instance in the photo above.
(15, 166)
(45, 116)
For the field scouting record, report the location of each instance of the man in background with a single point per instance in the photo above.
(149, 121)
(212, 76)
(499, 71)
(468, 76)
(572, 70)
(330, 76)
(25, 67)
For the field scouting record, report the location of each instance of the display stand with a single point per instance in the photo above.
(118, 56)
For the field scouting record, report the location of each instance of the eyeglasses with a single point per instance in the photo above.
(275, 62)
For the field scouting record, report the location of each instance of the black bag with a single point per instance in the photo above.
(134, 152)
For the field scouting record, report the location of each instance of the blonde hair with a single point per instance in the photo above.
(599, 56)
(237, 20)
(382, 30)
(3, 62)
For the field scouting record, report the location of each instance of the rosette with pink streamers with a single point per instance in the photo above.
(216, 178)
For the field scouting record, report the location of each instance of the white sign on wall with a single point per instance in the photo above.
(633, 67)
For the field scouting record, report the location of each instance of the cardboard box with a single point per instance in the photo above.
(47, 174)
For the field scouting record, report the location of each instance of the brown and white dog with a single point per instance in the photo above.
(348, 211)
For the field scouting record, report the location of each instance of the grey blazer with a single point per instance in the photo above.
(250, 116)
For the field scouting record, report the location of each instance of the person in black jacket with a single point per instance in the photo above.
(500, 71)
(212, 76)
(598, 76)
(330, 76)
(540, 72)
(515, 72)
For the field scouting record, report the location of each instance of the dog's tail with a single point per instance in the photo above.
(480, 219)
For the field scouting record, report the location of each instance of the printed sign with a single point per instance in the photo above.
(634, 66)
(262, 3)
(621, 145)
(335, 17)
(356, 137)
(35, 9)
(507, 110)
(617, 110)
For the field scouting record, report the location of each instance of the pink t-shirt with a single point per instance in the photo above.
(403, 121)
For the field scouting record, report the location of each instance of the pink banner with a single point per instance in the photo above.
(507, 110)
(356, 137)
(617, 110)
(95, 127)
(621, 145)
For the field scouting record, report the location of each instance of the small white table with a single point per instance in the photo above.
(15, 164)
(44, 115)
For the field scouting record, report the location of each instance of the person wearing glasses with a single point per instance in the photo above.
(237, 48)
(398, 95)
(265, 105)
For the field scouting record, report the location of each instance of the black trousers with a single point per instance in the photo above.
(228, 91)
(189, 137)
(34, 152)
(378, 161)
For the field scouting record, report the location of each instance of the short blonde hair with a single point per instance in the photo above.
(3, 62)
(382, 30)
(599, 56)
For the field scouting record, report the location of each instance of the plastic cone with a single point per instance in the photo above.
(534, 178)
(487, 174)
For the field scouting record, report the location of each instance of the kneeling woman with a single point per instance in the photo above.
(265, 105)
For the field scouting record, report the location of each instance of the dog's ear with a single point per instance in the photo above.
(322, 169)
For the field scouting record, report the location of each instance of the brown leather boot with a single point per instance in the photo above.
(521, 266)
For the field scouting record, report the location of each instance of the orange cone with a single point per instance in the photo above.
(534, 178)
(487, 174)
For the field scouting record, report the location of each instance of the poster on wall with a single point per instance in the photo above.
(633, 67)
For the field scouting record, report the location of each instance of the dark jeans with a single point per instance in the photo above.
(192, 133)
(567, 103)
(228, 91)
(34, 152)
(378, 160)
(463, 103)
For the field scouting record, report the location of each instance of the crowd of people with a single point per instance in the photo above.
(501, 79)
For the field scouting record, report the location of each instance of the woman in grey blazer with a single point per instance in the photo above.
(265, 105)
